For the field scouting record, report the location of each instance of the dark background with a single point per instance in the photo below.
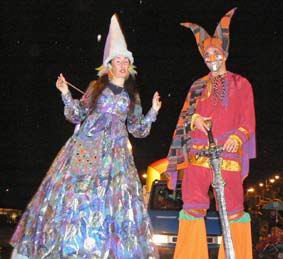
(41, 38)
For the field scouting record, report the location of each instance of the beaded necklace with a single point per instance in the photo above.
(218, 89)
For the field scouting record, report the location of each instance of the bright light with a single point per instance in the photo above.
(144, 176)
(272, 180)
(161, 239)
(261, 184)
(251, 189)
(14, 216)
(277, 177)
(129, 145)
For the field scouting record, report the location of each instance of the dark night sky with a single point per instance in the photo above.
(41, 38)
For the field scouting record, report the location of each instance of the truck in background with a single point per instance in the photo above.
(163, 208)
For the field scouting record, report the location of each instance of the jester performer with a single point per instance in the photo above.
(224, 99)
(90, 203)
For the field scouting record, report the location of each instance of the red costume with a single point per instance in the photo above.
(228, 101)
(233, 117)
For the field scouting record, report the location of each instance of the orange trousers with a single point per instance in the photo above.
(192, 242)
(242, 241)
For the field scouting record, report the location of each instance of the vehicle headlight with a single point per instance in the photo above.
(162, 239)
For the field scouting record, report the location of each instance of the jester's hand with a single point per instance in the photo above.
(231, 145)
(201, 123)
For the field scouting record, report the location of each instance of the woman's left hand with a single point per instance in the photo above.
(156, 103)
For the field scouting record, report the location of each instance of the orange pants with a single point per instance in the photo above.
(192, 243)
(242, 241)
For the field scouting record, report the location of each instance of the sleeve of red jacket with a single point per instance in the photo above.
(246, 130)
(176, 152)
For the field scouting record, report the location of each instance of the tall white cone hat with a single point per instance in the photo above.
(115, 43)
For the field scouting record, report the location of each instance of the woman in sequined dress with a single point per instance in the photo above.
(90, 203)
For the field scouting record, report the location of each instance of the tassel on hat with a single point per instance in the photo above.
(115, 46)
(220, 38)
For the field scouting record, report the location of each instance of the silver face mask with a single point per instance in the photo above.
(214, 59)
(214, 65)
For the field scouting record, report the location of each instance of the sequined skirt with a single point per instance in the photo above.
(89, 205)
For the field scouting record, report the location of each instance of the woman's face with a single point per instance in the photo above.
(120, 67)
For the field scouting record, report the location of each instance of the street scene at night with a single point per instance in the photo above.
(141, 129)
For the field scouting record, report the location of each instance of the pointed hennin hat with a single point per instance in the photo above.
(115, 46)
(220, 38)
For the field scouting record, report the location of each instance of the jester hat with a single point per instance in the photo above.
(220, 38)
(115, 46)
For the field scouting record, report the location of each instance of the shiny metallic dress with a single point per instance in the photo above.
(89, 204)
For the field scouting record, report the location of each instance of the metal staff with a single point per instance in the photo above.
(213, 153)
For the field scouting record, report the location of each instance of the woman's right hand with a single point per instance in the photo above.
(61, 84)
